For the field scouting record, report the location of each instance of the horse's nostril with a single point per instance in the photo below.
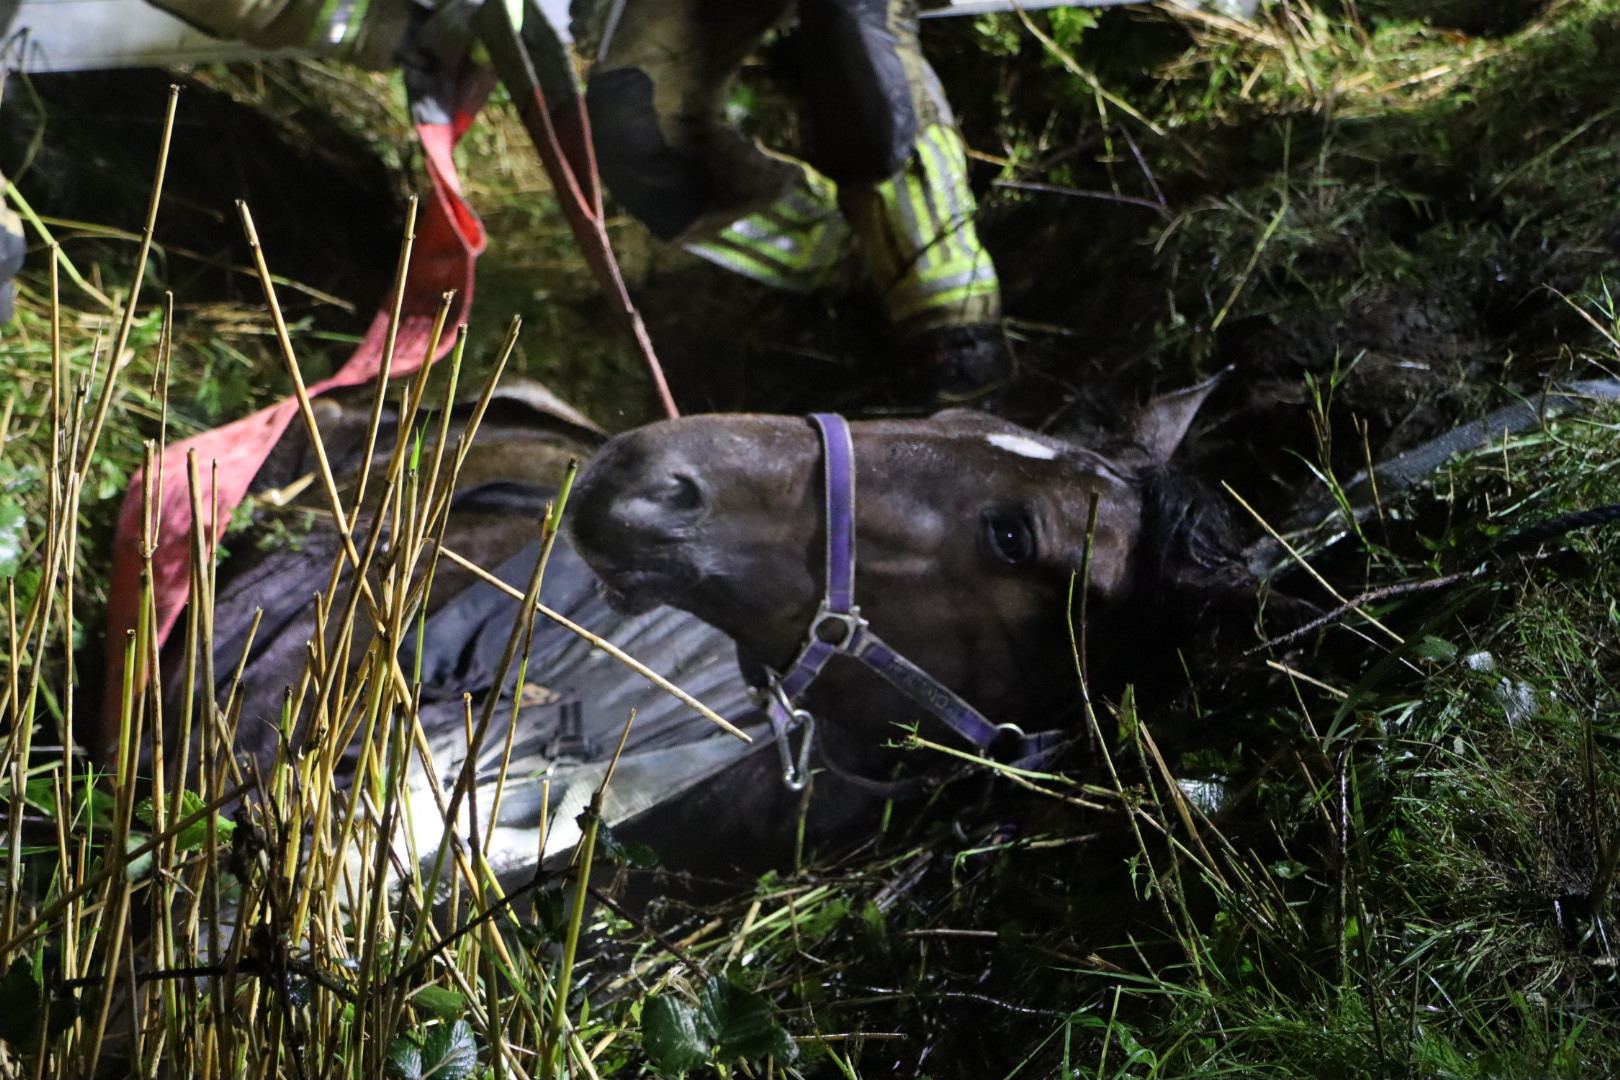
(681, 492)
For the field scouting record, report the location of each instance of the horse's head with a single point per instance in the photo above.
(969, 531)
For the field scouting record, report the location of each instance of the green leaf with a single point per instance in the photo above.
(551, 913)
(675, 1036)
(449, 1052)
(745, 1024)
(65, 1011)
(1433, 648)
(1288, 869)
(193, 836)
(820, 921)
(416, 449)
(12, 520)
(21, 1000)
(637, 856)
(442, 1003)
(404, 1060)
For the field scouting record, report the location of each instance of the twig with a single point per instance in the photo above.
(1388, 592)
(89, 884)
(254, 966)
(1309, 569)
(1300, 675)
(1248, 269)
(1147, 173)
(1090, 80)
(507, 900)
(664, 943)
(1081, 193)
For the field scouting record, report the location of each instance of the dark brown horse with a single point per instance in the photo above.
(969, 534)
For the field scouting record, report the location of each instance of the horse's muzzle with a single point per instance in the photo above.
(630, 511)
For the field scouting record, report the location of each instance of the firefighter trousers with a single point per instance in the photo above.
(885, 165)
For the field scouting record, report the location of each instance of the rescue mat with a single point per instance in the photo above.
(574, 700)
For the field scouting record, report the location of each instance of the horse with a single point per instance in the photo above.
(701, 546)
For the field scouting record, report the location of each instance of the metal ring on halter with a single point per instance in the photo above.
(1007, 736)
(850, 620)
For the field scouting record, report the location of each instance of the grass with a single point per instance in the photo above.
(1379, 854)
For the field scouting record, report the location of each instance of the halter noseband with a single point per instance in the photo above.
(839, 629)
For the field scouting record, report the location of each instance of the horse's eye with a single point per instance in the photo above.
(1009, 536)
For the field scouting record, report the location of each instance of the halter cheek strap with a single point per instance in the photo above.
(838, 629)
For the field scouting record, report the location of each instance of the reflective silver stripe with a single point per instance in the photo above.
(978, 275)
(771, 254)
(794, 243)
(779, 260)
(939, 202)
(939, 230)
(899, 198)
(931, 211)
(749, 265)
(343, 21)
(804, 206)
(758, 232)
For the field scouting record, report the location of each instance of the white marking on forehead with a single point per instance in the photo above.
(1022, 445)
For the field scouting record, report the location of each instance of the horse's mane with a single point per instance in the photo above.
(1190, 557)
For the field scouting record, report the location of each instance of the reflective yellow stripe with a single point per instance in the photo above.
(795, 243)
(948, 177)
(744, 263)
(930, 256)
(903, 306)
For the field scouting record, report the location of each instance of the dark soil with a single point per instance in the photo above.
(83, 146)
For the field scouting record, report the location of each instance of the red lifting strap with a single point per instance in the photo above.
(448, 241)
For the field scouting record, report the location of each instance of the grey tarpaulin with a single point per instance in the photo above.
(568, 710)
(578, 701)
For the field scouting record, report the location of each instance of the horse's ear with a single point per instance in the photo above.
(1163, 421)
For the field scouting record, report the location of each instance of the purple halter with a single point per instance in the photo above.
(838, 629)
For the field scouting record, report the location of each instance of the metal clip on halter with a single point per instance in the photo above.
(795, 767)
